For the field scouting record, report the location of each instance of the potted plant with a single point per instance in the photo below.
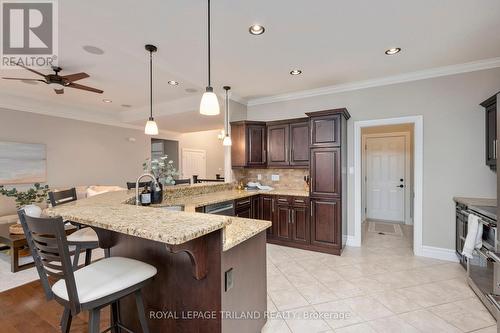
(37, 195)
(164, 171)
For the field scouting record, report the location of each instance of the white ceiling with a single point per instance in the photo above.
(334, 42)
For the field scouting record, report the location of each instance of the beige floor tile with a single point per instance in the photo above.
(317, 293)
(392, 324)
(396, 302)
(300, 279)
(468, 314)
(491, 329)
(278, 282)
(368, 307)
(435, 293)
(276, 326)
(270, 305)
(340, 314)
(368, 285)
(426, 321)
(287, 299)
(306, 320)
(358, 328)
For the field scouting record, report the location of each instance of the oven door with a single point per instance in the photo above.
(481, 270)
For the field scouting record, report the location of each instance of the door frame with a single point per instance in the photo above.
(408, 189)
(418, 164)
(184, 150)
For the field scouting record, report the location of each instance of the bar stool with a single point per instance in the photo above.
(84, 239)
(90, 288)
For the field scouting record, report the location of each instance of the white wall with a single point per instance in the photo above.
(78, 152)
(208, 141)
(453, 138)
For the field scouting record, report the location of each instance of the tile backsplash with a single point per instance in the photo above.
(288, 178)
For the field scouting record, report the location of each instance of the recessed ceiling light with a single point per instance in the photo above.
(107, 101)
(296, 72)
(393, 51)
(93, 49)
(256, 29)
(173, 83)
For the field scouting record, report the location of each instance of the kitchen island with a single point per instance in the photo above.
(211, 268)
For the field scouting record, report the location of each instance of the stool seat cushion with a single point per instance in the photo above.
(105, 277)
(83, 235)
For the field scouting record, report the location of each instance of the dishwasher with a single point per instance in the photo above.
(221, 208)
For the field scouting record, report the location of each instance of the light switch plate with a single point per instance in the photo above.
(275, 178)
(228, 278)
(259, 177)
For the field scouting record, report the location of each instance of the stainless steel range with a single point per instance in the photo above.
(483, 269)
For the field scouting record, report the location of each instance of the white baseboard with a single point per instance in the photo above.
(437, 253)
(351, 241)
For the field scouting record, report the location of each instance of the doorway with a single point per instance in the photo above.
(384, 148)
(194, 162)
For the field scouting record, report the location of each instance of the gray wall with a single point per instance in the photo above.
(80, 153)
(453, 137)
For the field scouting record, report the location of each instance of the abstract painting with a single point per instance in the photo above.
(22, 163)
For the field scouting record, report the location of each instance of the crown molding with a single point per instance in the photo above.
(395, 79)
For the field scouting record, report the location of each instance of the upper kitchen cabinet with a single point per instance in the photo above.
(325, 127)
(490, 106)
(249, 144)
(287, 143)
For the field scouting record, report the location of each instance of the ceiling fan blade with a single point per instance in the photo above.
(82, 87)
(19, 78)
(59, 91)
(76, 77)
(31, 70)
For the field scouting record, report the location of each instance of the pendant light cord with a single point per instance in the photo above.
(151, 84)
(209, 57)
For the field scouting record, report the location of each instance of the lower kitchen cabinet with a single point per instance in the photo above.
(326, 221)
(283, 221)
(243, 208)
(267, 213)
(300, 225)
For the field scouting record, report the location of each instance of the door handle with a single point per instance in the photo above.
(400, 186)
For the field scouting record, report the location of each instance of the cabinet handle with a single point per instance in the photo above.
(289, 216)
(311, 210)
(272, 204)
(293, 217)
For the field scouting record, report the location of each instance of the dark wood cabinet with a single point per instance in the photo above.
(249, 144)
(491, 142)
(325, 172)
(278, 138)
(301, 230)
(267, 213)
(326, 223)
(256, 207)
(288, 143)
(299, 144)
(325, 130)
(283, 222)
(243, 207)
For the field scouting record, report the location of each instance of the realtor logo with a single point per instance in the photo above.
(29, 33)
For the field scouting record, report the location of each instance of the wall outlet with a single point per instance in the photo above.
(228, 277)
(275, 178)
(259, 177)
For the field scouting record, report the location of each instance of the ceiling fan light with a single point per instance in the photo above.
(209, 105)
(151, 127)
(227, 141)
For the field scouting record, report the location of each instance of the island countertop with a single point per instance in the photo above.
(113, 211)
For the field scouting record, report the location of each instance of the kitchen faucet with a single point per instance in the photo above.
(137, 201)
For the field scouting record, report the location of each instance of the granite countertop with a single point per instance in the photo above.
(111, 211)
(476, 201)
(192, 202)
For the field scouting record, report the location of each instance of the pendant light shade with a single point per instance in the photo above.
(209, 104)
(227, 129)
(151, 127)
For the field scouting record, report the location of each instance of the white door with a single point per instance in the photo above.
(385, 173)
(194, 162)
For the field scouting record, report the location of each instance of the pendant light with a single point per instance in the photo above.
(227, 139)
(209, 105)
(151, 127)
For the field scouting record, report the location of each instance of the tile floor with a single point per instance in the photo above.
(380, 287)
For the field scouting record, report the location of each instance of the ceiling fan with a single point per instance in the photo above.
(56, 79)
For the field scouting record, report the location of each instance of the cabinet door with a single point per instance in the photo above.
(491, 135)
(256, 207)
(256, 145)
(277, 145)
(299, 144)
(283, 219)
(325, 130)
(267, 213)
(325, 172)
(300, 225)
(326, 222)
(245, 212)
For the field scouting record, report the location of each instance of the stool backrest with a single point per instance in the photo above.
(62, 197)
(47, 241)
(131, 185)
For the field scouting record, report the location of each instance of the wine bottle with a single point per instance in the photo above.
(146, 196)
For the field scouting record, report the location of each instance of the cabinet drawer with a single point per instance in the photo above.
(241, 203)
(300, 201)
